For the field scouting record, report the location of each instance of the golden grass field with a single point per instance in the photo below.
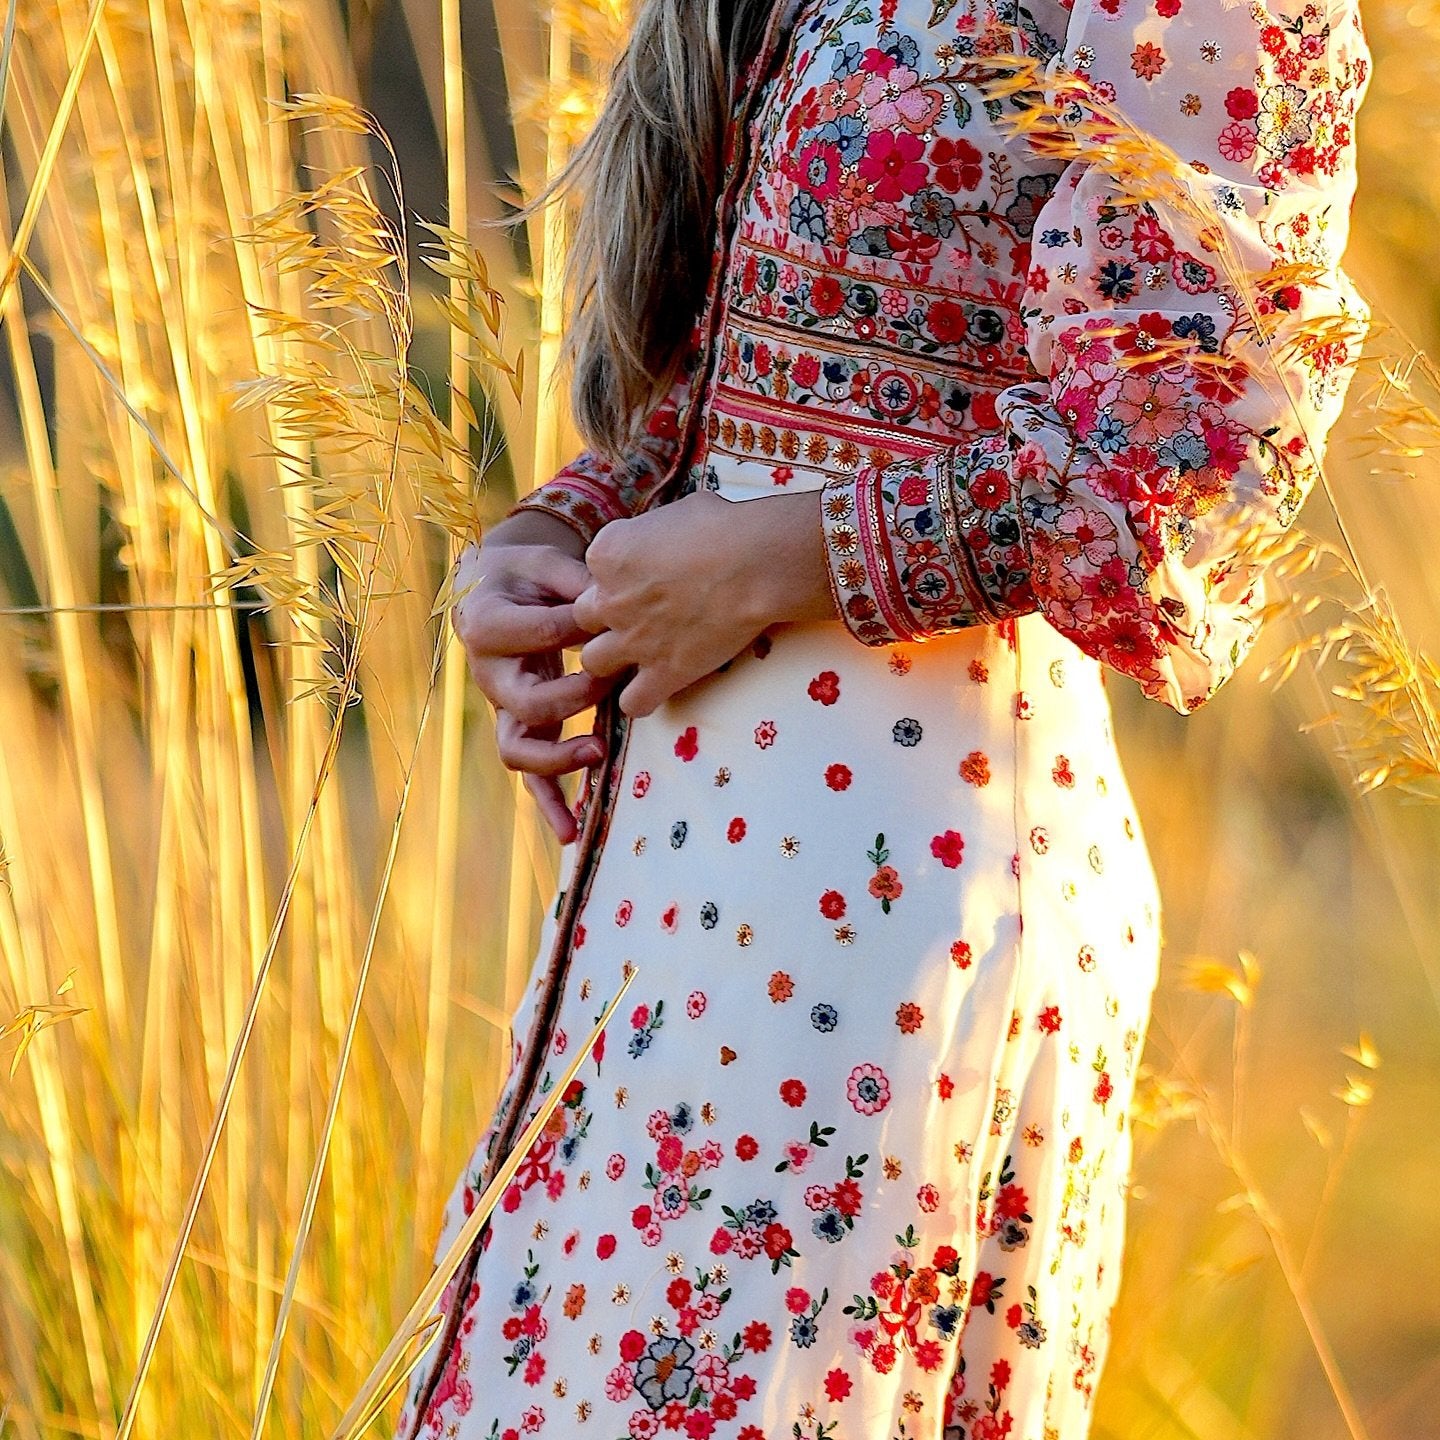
(266, 896)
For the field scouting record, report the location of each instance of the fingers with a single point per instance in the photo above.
(505, 627)
(553, 807)
(605, 655)
(537, 701)
(536, 755)
(646, 693)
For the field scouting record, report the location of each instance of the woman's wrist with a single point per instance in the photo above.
(537, 527)
(782, 543)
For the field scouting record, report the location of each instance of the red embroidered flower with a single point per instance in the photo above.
(747, 1147)
(990, 489)
(958, 164)
(914, 490)
(792, 1092)
(909, 1017)
(832, 905)
(826, 297)
(885, 884)
(1242, 103)
(948, 848)
(960, 953)
(605, 1247)
(687, 746)
(983, 411)
(1049, 1019)
(777, 1240)
(735, 830)
(838, 777)
(825, 688)
(837, 1386)
(756, 1336)
(806, 370)
(947, 322)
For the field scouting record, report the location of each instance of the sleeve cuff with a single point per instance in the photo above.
(585, 507)
(928, 545)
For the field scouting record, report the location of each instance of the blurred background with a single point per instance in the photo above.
(233, 348)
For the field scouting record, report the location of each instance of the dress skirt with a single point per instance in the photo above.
(850, 1163)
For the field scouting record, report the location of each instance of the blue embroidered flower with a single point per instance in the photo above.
(1116, 280)
(1108, 435)
(709, 915)
(1185, 451)
(907, 732)
(1198, 327)
(824, 1018)
(1024, 209)
(807, 218)
(678, 831)
(665, 1374)
(847, 62)
(829, 1225)
(682, 1119)
(803, 1331)
(848, 134)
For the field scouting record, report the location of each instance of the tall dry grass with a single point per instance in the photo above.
(267, 898)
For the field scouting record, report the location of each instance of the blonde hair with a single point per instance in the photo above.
(647, 179)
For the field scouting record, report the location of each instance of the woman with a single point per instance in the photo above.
(854, 1165)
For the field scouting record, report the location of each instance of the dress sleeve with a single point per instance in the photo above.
(592, 490)
(1172, 425)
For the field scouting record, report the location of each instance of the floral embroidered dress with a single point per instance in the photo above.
(852, 1164)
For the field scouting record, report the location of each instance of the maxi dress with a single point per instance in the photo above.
(851, 1162)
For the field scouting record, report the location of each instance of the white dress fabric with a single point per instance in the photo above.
(851, 1162)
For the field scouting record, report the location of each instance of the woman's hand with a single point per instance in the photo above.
(680, 590)
(515, 617)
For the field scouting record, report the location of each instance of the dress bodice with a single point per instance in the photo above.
(872, 295)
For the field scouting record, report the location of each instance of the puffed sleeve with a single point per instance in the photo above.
(1179, 424)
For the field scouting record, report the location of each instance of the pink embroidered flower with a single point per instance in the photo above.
(695, 1004)
(1237, 142)
(1151, 408)
(623, 911)
(868, 1089)
(818, 170)
(765, 733)
(712, 1374)
(641, 785)
(896, 100)
(891, 164)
